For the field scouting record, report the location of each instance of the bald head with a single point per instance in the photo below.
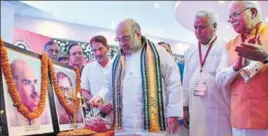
(129, 24)
(128, 35)
(26, 84)
(19, 67)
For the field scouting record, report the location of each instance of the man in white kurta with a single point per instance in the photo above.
(132, 92)
(93, 75)
(209, 112)
(183, 131)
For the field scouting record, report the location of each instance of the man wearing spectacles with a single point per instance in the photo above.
(244, 70)
(143, 105)
(236, 14)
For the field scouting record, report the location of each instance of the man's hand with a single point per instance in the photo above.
(239, 63)
(186, 117)
(96, 101)
(251, 51)
(172, 124)
(106, 109)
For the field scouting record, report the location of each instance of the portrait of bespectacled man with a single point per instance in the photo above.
(66, 86)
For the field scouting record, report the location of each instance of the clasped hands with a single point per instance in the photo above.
(250, 51)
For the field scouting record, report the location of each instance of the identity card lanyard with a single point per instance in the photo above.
(202, 61)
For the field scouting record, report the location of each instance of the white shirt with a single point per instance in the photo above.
(92, 79)
(93, 76)
(210, 115)
(132, 118)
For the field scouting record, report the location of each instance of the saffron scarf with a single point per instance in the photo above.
(153, 107)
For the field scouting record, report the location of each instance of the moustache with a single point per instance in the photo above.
(78, 59)
(34, 95)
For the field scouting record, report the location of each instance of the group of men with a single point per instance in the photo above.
(224, 87)
(139, 91)
(74, 55)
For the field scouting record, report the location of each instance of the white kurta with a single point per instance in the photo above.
(210, 115)
(132, 118)
(93, 76)
(92, 79)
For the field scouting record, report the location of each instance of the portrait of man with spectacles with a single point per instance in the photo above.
(66, 86)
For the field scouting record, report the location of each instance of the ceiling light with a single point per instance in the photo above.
(156, 5)
(221, 2)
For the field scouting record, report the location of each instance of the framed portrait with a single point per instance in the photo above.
(66, 79)
(26, 72)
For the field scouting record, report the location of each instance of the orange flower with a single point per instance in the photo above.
(12, 86)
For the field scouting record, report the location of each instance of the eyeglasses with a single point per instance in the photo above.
(124, 38)
(236, 13)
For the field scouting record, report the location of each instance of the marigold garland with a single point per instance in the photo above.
(5, 66)
(58, 91)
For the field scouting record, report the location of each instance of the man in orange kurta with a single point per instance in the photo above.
(249, 98)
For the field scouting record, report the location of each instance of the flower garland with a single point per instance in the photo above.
(12, 86)
(58, 91)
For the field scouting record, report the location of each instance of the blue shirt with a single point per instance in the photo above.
(181, 68)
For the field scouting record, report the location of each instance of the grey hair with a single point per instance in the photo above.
(249, 4)
(49, 43)
(136, 27)
(210, 15)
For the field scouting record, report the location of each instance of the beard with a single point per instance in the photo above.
(135, 47)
